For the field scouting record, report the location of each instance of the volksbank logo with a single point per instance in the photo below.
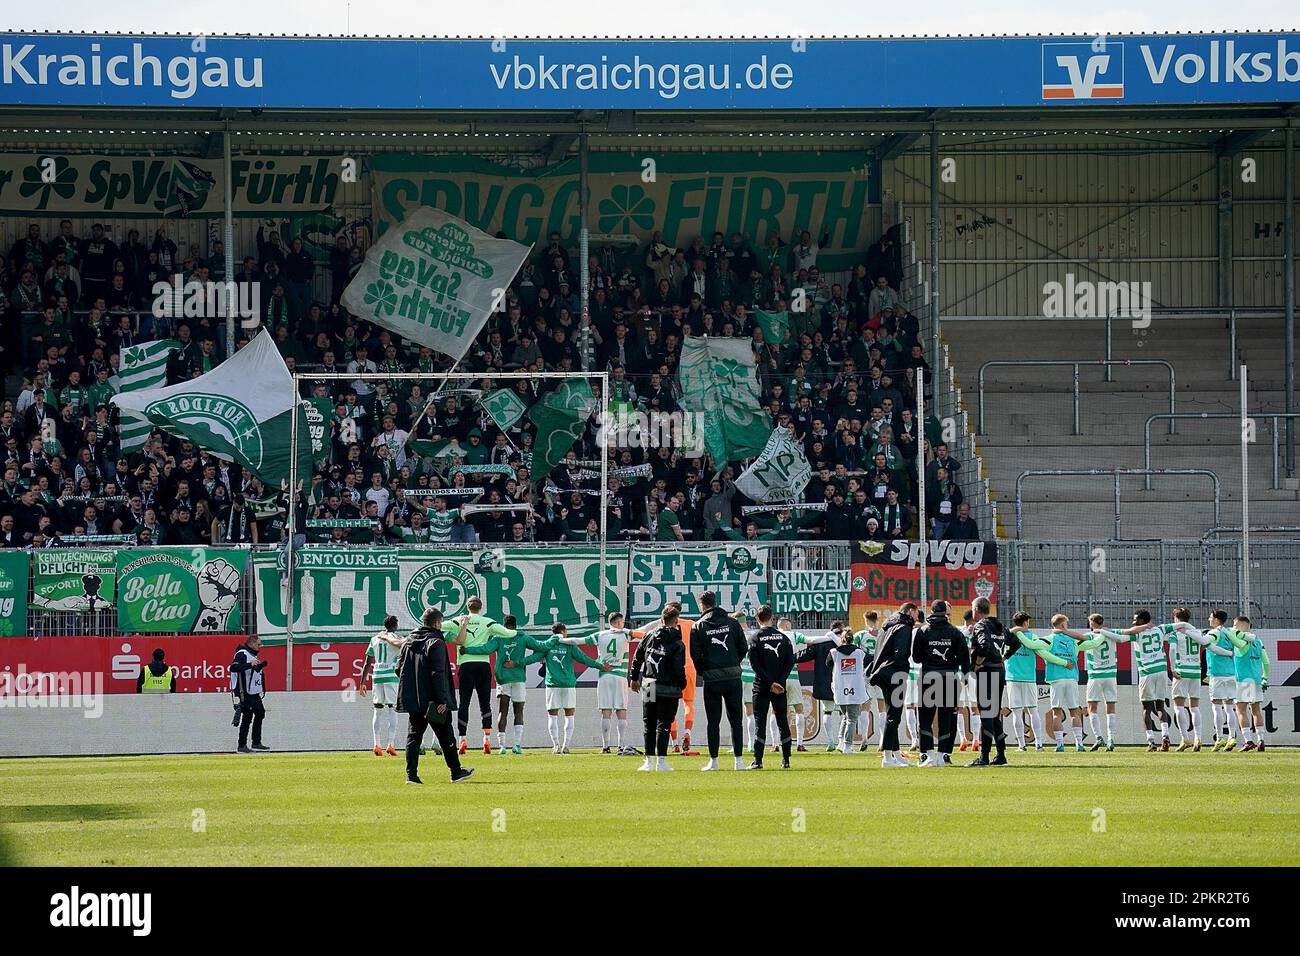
(1083, 71)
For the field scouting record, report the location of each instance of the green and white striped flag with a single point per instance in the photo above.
(141, 367)
(241, 411)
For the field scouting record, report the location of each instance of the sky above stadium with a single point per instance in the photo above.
(660, 18)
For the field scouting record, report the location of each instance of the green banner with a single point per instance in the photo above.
(15, 566)
(634, 193)
(94, 186)
(345, 593)
(74, 579)
(736, 573)
(317, 413)
(561, 418)
(179, 590)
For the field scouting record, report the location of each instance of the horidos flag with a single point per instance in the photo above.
(434, 279)
(240, 411)
(140, 368)
(561, 417)
(719, 383)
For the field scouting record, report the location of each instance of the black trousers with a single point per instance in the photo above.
(895, 690)
(988, 697)
(764, 700)
(475, 678)
(939, 692)
(658, 716)
(251, 715)
(446, 740)
(719, 696)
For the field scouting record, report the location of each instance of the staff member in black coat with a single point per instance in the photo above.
(248, 684)
(424, 694)
(659, 673)
(990, 645)
(888, 671)
(942, 652)
(717, 647)
(772, 657)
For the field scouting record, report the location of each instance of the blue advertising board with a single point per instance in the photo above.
(408, 74)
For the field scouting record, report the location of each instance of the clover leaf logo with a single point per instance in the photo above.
(382, 295)
(63, 185)
(626, 208)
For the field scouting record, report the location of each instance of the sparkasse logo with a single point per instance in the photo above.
(1083, 71)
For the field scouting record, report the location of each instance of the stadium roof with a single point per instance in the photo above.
(828, 92)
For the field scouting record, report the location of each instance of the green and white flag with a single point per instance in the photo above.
(141, 367)
(774, 325)
(434, 279)
(720, 384)
(505, 406)
(779, 473)
(443, 448)
(240, 411)
(561, 417)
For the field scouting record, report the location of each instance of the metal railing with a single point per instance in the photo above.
(1119, 577)
(1115, 474)
(1075, 364)
(1230, 315)
(1234, 416)
(1254, 529)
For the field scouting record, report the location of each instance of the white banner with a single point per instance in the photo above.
(434, 280)
(779, 473)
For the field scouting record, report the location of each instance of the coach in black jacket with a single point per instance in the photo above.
(717, 648)
(990, 645)
(943, 654)
(772, 656)
(888, 671)
(424, 694)
(658, 671)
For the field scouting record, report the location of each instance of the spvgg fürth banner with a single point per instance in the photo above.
(636, 193)
(179, 590)
(887, 574)
(345, 593)
(96, 186)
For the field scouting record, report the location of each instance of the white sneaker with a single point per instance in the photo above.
(893, 760)
(711, 765)
(931, 759)
(663, 765)
(740, 764)
(646, 766)
(555, 748)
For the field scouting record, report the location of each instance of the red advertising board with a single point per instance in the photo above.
(887, 574)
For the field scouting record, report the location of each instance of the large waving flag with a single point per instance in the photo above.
(720, 384)
(240, 411)
(141, 367)
(561, 418)
(434, 279)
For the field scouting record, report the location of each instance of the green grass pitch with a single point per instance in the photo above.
(1122, 808)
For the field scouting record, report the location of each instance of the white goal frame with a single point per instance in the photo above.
(292, 517)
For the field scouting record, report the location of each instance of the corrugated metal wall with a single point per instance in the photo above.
(1019, 216)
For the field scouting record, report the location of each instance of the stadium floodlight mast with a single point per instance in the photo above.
(292, 516)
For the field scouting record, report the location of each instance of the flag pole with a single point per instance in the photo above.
(291, 526)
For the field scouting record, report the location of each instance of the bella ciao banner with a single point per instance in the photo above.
(683, 195)
(72, 184)
(887, 574)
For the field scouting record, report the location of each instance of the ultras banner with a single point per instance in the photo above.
(683, 195)
(345, 593)
(887, 574)
(737, 573)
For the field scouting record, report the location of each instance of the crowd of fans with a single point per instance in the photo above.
(843, 380)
